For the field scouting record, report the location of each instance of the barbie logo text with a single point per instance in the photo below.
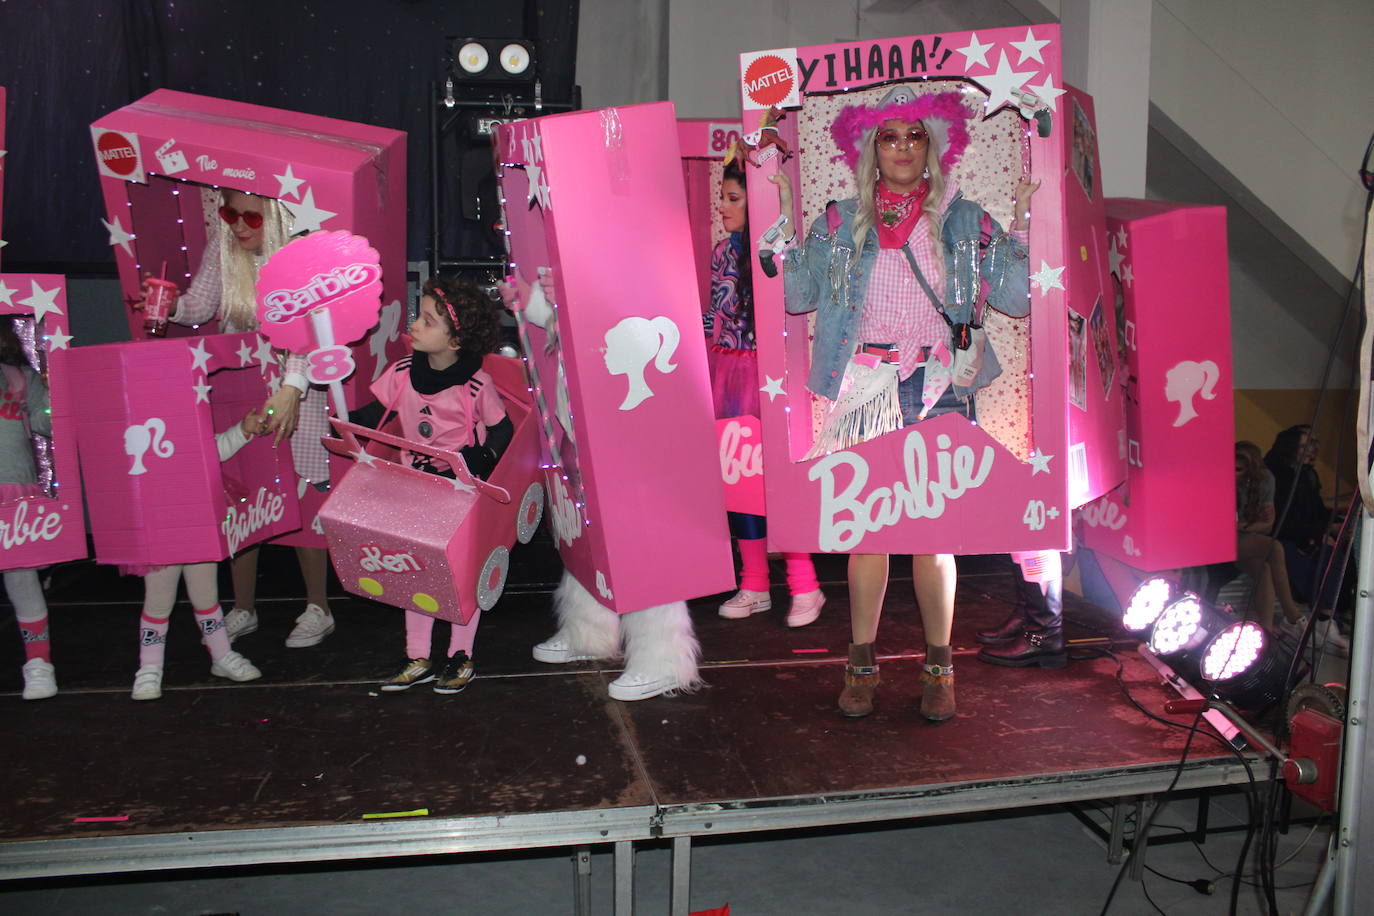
(287, 304)
(847, 513)
(1103, 513)
(244, 519)
(19, 531)
(373, 560)
(739, 458)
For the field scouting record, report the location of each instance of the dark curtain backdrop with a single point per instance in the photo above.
(66, 63)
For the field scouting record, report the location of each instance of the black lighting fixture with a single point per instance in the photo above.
(493, 60)
(1182, 631)
(1148, 601)
(1244, 666)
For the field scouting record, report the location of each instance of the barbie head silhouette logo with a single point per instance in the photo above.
(635, 342)
(1187, 379)
(138, 439)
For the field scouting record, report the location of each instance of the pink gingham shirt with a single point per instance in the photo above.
(896, 310)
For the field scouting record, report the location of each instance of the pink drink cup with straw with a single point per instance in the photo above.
(157, 305)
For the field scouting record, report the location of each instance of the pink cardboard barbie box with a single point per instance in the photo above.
(705, 143)
(426, 543)
(46, 527)
(1177, 507)
(147, 420)
(624, 403)
(945, 485)
(161, 158)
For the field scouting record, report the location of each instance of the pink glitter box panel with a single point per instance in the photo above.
(42, 524)
(1177, 506)
(426, 543)
(1009, 481)
(162, 159)
(146, 425)
(621, 385)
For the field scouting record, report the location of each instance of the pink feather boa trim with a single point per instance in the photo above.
(854, 121)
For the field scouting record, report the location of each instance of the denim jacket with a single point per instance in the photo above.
(822, 276)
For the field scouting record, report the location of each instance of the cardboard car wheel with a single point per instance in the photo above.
(492, 582)
(531, 512)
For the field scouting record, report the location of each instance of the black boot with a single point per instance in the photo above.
(1010, 629)
(1042, 642)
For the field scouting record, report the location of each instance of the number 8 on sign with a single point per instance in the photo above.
(329, 364)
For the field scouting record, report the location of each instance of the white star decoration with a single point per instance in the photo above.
(245, 354)
(1127, 277)
(1047, 91)
(1114, 256)
(264, 354)
(772, 387)
(307, 216)
(462, 486)
(274, 383)
(1121, 237)
(119, 237)
(58, 340)
(42, 301)
(534, 174)
(289, 183)
(202, 392)
(1040, 463)
(537, 144)
(200, 357)
(974, 52)
(1048, 278)
(362, 457)
(1000, 84)
(1030, 47)
(7, 293)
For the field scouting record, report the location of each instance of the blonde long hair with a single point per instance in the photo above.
(866, 178)
(239, 269)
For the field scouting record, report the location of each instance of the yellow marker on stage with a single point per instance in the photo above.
(418, 812)
(371, 586)
(425, 602)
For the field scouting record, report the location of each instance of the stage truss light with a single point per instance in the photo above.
(1182, 632)
(493, 60)
(1147, 602)
(473, 58)
(515, 59)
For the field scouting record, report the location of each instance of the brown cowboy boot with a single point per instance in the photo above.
(937, 674)
(860, 681)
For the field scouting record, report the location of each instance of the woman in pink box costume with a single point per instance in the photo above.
(24, 413)
(444, 398)
(253, 229)
(734, 365)
(160, 584)
(869, 268)
(659, 644)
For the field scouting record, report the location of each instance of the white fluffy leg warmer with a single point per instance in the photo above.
(660, 642)
(589, 627)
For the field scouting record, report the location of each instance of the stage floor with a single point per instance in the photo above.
(288, 768)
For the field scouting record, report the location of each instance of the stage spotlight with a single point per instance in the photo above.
(493, 60)
(1183, 630)
(473, 58)
(1148, 601)
(1243, 666)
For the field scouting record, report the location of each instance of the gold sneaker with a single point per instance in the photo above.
(458, 673)
(416, 671)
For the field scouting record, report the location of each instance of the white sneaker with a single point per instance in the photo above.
(745, 603)
(239, 622)
(1328, 637)
(235, 667)
(311, 628)
(40, 679)
(805, 608)
(556, 650)
(629, 687)
(147, 683)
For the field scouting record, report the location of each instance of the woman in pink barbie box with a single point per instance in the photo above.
(870, 268)
(734, 365)
(660, 647)
(250, 230)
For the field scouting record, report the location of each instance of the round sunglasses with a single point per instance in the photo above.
(890, 139)
(251, 218)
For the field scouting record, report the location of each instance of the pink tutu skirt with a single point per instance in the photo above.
(734, 382)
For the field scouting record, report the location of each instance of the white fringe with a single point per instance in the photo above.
(589, 627)
(867, 407)
(660, 642)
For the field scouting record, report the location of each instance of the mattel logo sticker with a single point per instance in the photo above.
(769, 79)
(117, 155)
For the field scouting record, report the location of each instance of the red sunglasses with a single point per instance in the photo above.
(251, 218)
